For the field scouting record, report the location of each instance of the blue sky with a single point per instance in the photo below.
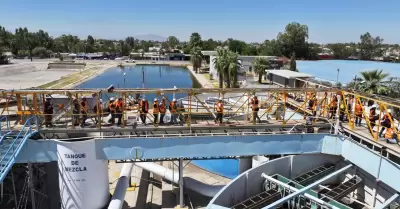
(250, 20)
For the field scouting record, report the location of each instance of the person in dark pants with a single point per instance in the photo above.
(372, 117)
(386, 124)
(84, 112)
(219, 106)
(111, 109)
(173, 110)
(255, 108)
(358, 112)
(143, 109)
(48, 111)
(75, 112)
(156, 111)
(118, 110)
(98, 110)
(162, 110)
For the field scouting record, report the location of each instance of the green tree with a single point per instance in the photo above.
(233, 66)
(220, 62)
(293, 66)
(130, 41)
(172, 41)
(196, 58)
(260, 64)
(294, 39)
(373, 82)
(40, 52)
(195, 41)
(370, 46)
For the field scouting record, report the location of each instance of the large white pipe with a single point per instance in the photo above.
(189, 183)
(118, 198)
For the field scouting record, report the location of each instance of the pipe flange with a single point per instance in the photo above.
(136, 153)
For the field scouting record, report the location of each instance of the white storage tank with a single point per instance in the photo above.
(83, 179)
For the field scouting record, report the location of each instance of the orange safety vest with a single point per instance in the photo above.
(172, 107)
(389, 133)
(334, 102)
(111, 106)
(85, 106)
(162, 108)
(220, 107)
(358, 110)
(254, 104)
(155, 107)
(141, 106)
(118, 105)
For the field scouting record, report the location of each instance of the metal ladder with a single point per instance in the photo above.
(343, 189)
(315, 174)
(11, 144)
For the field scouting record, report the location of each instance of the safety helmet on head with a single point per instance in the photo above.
(174, 100)
(389, 111)
(373, 106)
(112, 99)
(220, 98)
(155, 99)
(100, 100)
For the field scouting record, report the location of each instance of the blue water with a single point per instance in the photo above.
(155, 76)
(327, 69)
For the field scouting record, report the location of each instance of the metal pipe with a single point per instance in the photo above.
(118, 198)
(189, 183)
(303, 190)
(389, 201)
(181, 203)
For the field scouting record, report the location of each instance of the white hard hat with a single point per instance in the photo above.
(83, 97)
(100, 100)
(144, 98)
(220, 98)
(389, 111)
(173, 99)
(155, 99)
(112, 99)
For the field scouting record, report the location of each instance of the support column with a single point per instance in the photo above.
(83, 179)
(31, 186)
(181, 202)
(245, 164)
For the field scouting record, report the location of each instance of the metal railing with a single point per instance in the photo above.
(8, 157)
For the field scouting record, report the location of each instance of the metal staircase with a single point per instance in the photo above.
(260, 200)
(315, 174)
(342, 189)
(11, 144)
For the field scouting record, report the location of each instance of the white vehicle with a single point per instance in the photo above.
(130, 61)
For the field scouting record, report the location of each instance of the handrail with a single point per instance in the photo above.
(27, 133)
(5, 118)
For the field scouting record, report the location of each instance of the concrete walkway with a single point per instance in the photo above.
(201, 79)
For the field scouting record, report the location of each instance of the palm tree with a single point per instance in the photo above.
(233, 68)
(220, 63)
(260, 64)
(374, 82)
(196, 58)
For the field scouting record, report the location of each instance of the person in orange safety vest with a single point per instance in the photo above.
(162, 109)
(143, 109)
(255, 108)
(156, 110)
(118, 110)
(111, 109)
(219, 106)
(358, 112)
(173, 111)
(84, 111)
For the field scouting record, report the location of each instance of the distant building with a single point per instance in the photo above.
(288, 78)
